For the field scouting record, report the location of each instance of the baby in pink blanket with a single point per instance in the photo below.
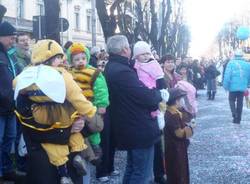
(151, 74)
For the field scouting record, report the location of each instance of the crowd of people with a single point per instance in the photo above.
(66, 108)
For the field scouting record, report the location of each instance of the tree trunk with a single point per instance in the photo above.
(154, 26)
(52, 9)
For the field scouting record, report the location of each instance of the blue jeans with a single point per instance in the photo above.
(86, 178)
(7, 139)
(139, 169)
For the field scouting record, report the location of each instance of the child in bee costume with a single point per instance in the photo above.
(94, 88)
(48, 102)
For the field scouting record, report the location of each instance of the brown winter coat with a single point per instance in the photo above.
(176, 133)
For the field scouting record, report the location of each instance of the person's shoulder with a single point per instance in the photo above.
(3, 58)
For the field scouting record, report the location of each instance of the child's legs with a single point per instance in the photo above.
(58, 154)
(76, 142)
(88, 153)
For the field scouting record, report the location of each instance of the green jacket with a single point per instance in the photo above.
(23, 59)
(101, 94)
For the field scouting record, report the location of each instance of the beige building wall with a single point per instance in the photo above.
(78, 13)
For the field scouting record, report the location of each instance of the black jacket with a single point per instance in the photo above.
(93, 61)
(211, 72)
(6, 77)
(130, 106)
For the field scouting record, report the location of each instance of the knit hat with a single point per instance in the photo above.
(77, 48)
(44, 50)
(141, 47)
(174, 94)
(6, 29)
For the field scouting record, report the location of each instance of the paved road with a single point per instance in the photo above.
(220, 150)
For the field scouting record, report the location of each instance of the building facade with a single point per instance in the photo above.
(78, 12)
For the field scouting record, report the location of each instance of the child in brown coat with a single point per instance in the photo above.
(176, 134)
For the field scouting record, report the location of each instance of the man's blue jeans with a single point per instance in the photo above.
(139, 169)
(7, 138)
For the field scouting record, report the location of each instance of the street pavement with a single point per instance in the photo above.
(219, 152)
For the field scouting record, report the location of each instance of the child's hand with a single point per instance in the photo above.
(101, 110)
(164, 94)
(78, 125)
(163, 106)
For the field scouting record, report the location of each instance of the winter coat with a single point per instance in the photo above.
(23, 59)
(211, 72)
(170, 83)
(44, 112)
(176, 134)
(93, 61)
(7, 74)
(237, 75)
(131, 103)
(96, 92)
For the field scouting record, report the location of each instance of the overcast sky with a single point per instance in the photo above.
(206, 17)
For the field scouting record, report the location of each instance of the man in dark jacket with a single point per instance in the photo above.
(7, 117)
(93, 58)
(130, 105)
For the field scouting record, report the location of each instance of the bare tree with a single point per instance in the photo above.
(164, 31)
(226, 38)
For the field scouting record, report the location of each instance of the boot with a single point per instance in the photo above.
(209, 95)
(80, 164)
(236, 119)
(213, 95)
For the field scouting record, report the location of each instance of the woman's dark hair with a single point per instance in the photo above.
(167, 57)
(182, 65)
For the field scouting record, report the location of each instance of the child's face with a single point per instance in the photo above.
(57, 61)
(183, 71)
(143, 57)
(79, 60)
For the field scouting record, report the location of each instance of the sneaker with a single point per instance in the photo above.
(66, 180)
(115, 173)
(104, 179)
(80, 164)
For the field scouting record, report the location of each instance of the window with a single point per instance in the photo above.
(20, 9)
(89, 25)
(77, 21)
(40, 7)
(77, 17)
(99, 26)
